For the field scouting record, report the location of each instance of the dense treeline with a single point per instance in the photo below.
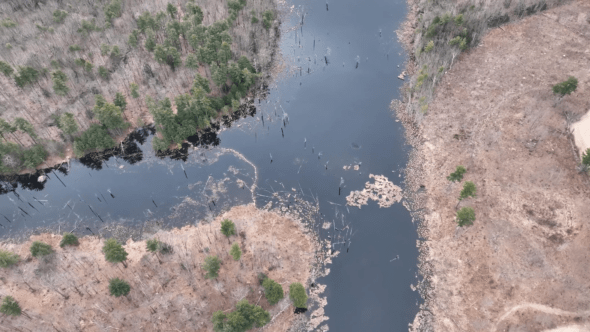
(180, 65)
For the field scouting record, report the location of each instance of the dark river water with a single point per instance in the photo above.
(317, 118)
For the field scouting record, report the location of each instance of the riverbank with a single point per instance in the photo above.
(523, 264)
(69, 290)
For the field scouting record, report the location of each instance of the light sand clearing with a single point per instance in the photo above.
(581, 131)
(172, 296)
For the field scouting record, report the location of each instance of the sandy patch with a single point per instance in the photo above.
(71, 292)
(581, 132)
(383, 191)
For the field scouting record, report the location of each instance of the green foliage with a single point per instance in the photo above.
(153, 245)
(150, 41)
(120, 101)
(133, 87)
(267, 18)
(243, 62)
(192, 61)
(59, 83)
(86, 27)
(95, 138)
(103, 72)
(245, 317)
(119, 287)
(586, 158)
(235, 251)
(104, 49)
(429, 47)
(113, 10)
(254, 18)
(261, 277)
(84, 64)
(40, 249)
(132, 41)
(59, 16)
(69, 239)
(228, 228)
(460, 41)
(24, 126)
(465, 216)
(75, 48)
(8, 258)
(114, 252)
(566, 87)
(159, 144)
(168, 55)
(469, 190)
(457, 175)
(26, 75)
(273, 291)
(171, 9)
(6, 69)
(297, 295)
(212, 265)
(34, 156)
(224, 54)
(110, 115)
(10, 306)
(219, 74)
(115, 52)
(8, 23)
(459, 20)
(195, 13)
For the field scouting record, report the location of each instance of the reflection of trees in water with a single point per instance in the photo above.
(130, 151)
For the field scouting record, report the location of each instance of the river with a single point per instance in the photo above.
(317, 118)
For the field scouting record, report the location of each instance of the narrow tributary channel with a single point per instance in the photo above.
(318, 118)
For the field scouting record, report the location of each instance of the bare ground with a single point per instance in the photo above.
(172, 296)
(524, 264)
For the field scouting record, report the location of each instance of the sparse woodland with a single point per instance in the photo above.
(76, 76)
(162, 284)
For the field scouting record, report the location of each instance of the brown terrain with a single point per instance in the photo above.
(69, 292)
(524, 265)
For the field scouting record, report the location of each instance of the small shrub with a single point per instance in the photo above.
(153, 245)
(429, 47)
(586, 158)
(457, 175)
(6, 69)
(69, 239)
(95, 138)
(113, 10)
(212, 265)
(245, 317)
(75, 48)
(118, 287)
(104, 49)
(465, 216)
(8, 258)
(236, 252)
(228, 228)
(120, 101)
(459, 20)
(34, 156)
(59, 16)
(10, 306)
(261, 277)
(273, 291)
(566, 87)
(103, 72)
(297, 295)
(40, 249)
(469, 190)
(267, 18)
(26, 75)
(8, 23)
(114, 252)
(115, 51)
(67, 123)
(134, 87)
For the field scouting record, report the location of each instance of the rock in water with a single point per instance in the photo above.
(41, 178)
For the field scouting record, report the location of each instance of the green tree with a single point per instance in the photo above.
(59, 83)
(224, 54)
(243, 62)
(566, 87)
(25, 126)
(267, 18)
(212, 265)
(132, 41)
(273, 291)
(236, 252)
(586, 158)
(110, 115)
(134, 87)
(469, 190)
(191, 61)
(465, 216)
(34, 156)
(67, 123)
(171, 9)
(153, 246)
(146, 21)
(114, 252)
(113, 10)
(245, 317)
(10, 306)
(95, 138)
(40, 249)
(254, 18)
(116, 51)
(201, 82)
(6, 69)
(69, 239)
(297, 295)
(159, 144)
(59, 16)
(103, 72)
(26, 75)
(119, 287)
(219, 74)
(120, 101)
(150, 40)
(457, 175)
(8, 258)
(228, 228)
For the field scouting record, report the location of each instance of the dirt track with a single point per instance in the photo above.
(524, 264)
(172, 296)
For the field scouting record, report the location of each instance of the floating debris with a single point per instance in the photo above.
(383, 191)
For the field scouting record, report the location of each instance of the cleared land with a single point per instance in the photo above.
(524, 264)
(171, 296)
